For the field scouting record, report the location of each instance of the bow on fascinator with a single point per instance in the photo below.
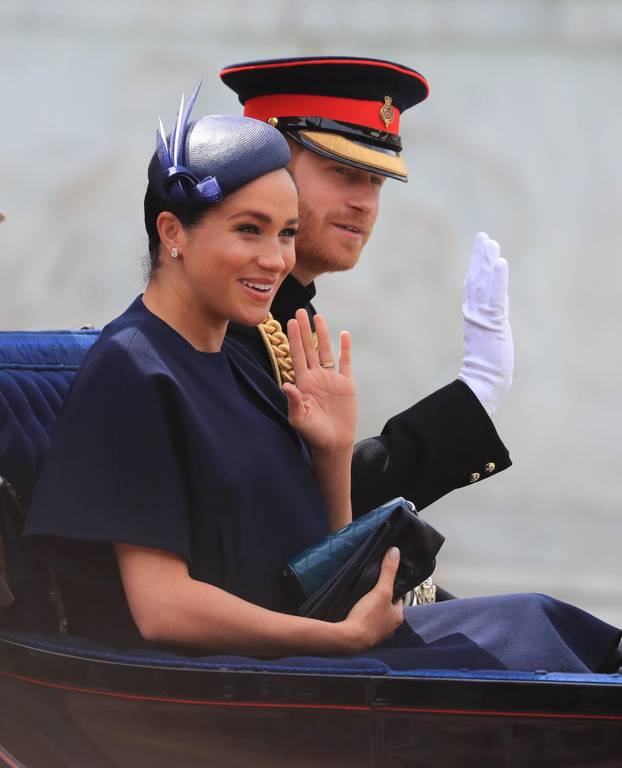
(178, 182)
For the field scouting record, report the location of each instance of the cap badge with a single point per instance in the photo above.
(273, 121)
(387, 113)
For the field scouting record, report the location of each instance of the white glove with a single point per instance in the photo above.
(488, 362)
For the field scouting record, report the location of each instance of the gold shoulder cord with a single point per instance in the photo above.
(277, 347)
(278, 350)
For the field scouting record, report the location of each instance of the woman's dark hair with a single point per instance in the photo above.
(154, 206)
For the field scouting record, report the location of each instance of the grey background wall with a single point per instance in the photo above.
(520, 138)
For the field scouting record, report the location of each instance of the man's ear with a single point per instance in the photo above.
(171, 232)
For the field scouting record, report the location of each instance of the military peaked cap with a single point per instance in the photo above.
(341, 107)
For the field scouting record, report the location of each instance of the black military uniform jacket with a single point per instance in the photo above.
(443, 442)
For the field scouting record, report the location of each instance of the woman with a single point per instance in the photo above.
(176, 486)
(175, 447)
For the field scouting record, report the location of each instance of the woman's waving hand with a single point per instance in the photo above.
(322, 404)
(322, 407)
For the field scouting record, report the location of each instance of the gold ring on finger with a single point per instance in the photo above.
(327, 365)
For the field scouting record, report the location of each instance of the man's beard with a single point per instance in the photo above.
(318, 256)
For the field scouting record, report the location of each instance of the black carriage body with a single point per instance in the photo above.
(62, 709)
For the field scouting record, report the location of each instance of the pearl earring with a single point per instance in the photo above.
(174, 253)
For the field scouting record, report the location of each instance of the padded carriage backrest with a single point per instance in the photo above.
(36, 371)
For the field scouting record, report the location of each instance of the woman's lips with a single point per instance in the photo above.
(260, 290)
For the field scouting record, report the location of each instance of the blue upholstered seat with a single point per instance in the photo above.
(316, 665)
(36, 371)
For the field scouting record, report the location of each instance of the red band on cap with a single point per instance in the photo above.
(355, 111)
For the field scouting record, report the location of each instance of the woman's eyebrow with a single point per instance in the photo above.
(255, 214)
(262, 217)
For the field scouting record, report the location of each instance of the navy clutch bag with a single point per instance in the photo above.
(328, 578)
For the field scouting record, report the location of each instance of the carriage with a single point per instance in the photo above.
(66, 701)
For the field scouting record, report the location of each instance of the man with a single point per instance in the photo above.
(341, 118)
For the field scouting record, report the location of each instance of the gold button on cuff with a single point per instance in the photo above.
(490, 467)
(474, 477)
(273, 121)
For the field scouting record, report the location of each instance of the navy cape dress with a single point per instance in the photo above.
(160, 445)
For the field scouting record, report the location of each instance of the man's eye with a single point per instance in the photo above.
(252, 229)
(292, 232)
(341, 170)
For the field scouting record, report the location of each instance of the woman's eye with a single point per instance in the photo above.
(251, 229)
(340, 169)
(288, 232)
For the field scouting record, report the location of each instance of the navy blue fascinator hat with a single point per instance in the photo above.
(205, 160)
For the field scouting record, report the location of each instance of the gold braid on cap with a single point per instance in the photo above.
(277, 346)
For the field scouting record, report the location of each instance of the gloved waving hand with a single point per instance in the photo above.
(488, 363)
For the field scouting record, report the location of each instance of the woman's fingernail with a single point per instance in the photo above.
(394, 553)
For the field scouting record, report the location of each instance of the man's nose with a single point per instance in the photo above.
(363, 197)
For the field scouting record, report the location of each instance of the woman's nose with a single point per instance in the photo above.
(272, 257)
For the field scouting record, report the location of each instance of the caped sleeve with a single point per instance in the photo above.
(443, 442)
(115, 469)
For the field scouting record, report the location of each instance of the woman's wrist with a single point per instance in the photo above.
(332, 471)
(350, 636)
(341, 637)
(332, 455)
